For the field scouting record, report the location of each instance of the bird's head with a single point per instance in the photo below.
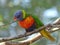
(19, 15)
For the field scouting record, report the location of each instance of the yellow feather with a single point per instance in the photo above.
(23, 13)
(47, 35)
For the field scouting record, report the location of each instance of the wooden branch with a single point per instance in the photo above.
(27, 34)
(27, 42)
(20, 36)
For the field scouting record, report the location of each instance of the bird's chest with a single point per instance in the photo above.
(28, 22)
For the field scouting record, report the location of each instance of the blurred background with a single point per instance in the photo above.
(46, 10)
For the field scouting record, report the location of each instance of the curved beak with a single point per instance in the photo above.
(15, 19)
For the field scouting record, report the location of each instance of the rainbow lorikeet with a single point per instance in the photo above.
(31, 22)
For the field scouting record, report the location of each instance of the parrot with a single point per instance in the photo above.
(31, 22)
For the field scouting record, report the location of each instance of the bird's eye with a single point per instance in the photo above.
(18, 16)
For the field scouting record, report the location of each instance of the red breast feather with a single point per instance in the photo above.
(26, 23)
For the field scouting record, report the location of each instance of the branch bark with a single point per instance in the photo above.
(27, 42)
(7, 40)
(27, 34)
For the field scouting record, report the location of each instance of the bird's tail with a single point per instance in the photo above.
(47, 35)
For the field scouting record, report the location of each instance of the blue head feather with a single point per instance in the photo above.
(19, 15)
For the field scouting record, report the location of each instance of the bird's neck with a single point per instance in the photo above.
(27, 15)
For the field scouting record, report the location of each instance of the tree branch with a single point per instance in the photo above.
(27, 34)
(27, 42)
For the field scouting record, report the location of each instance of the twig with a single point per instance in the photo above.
(20, 36)
(27, 34)
(27, 42)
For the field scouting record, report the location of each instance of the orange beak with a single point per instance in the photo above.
(15, 18)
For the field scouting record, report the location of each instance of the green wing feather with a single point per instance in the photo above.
(38, 22)
(43, 32)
